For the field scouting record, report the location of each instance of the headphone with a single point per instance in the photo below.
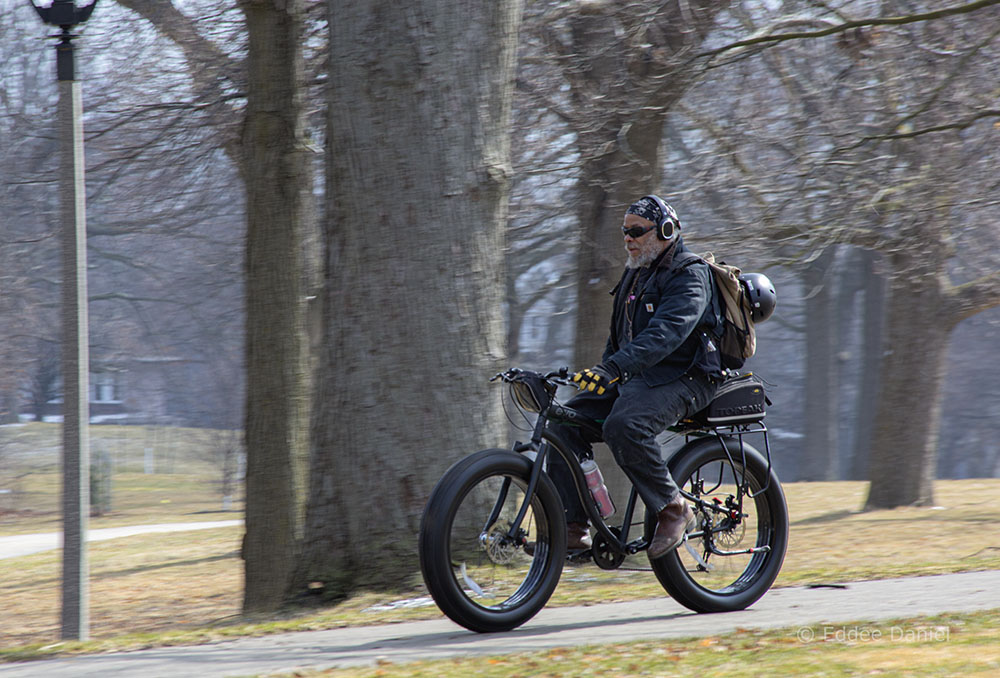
(668, 221)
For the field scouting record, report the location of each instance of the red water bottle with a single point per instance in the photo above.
(595, 481)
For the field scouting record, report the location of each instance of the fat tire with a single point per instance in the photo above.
(434, 542)
(670, 570)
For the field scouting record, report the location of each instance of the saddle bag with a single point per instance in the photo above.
(740, 400)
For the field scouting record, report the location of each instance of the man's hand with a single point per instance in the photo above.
(595, 379)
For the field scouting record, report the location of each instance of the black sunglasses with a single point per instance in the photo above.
(637, 231)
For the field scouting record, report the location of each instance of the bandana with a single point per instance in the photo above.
(647, 209)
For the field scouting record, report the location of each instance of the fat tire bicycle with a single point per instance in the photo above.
(492, 538)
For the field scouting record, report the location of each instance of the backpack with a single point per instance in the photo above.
(737, 340)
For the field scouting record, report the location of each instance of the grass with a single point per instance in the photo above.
(184, 485)
(941, 647)
(184, 588)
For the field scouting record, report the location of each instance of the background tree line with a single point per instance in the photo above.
(422, 195)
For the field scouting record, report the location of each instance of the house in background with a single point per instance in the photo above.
(128, 391)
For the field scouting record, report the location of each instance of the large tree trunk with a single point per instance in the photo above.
(418, 155)
(871, 359)
(819, 458)
(923, 309)
(904, 444)
(276, 414)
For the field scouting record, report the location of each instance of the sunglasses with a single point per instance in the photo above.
(637, 231)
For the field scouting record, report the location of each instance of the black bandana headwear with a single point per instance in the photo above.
(647, 209)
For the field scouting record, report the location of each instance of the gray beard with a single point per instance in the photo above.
(647, 255)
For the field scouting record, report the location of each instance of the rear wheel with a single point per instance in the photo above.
(478, 574)
(696, 575)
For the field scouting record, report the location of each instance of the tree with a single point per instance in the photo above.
(266, 142)
(417, 186)
(164, 260)
(831, 147)
(29, 252)
(274, 172)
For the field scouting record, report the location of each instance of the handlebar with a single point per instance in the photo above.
(560, 376)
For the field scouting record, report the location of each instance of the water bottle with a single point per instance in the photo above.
(595, 481)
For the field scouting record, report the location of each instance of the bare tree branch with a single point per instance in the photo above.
(769, 39)
(975, 297)
(907, 133)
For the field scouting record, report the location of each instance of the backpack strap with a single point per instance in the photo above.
(683, 260)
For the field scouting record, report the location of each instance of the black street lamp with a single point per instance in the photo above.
(76, 356)
(66, 15)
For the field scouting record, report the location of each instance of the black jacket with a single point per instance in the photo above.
(672, 316)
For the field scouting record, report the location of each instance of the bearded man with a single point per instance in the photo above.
(660, 365)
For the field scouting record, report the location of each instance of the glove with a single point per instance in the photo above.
(596, 379)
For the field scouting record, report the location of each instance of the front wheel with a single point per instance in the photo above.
(477, 572)
(748, 522)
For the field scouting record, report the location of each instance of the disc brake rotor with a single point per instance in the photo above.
(499, 548)
(731, 538)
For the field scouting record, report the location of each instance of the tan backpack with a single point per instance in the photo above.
(737, 340)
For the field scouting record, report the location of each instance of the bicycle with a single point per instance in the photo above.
(492, 539)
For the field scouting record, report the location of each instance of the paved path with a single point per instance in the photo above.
(840, 609)
(26, 544)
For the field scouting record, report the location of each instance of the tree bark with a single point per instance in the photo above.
(269, 155)
(923, 310)
(819, 461)
(418, 174)
(276, 414)
(871, 359)
(904, 445)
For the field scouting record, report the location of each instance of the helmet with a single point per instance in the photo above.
(760, 292)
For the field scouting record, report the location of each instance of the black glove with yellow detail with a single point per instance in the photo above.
(596, 379)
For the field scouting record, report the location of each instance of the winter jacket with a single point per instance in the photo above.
(673, 316)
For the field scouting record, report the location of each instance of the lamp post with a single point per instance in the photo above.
(75, 357)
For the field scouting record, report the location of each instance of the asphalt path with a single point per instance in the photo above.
(27, 544)
(857, 608)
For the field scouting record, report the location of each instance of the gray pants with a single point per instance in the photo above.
(633, 415)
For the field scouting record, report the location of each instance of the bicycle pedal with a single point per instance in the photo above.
(579, 556)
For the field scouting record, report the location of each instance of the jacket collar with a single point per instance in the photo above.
(666, 258)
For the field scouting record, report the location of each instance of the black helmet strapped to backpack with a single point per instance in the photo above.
(760, 291)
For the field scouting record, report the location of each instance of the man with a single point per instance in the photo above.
(660, 365)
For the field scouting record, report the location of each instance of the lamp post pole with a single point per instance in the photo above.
(75, 356)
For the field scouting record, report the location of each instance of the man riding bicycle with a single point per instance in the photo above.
(660, 365)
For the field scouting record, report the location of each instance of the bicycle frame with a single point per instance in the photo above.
(544, 439)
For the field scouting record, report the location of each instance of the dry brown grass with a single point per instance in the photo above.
(175, 582)
(148, 583)
(937, 647)
(832, 539)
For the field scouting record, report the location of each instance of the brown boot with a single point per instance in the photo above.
(672, 522)
(578, 536)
